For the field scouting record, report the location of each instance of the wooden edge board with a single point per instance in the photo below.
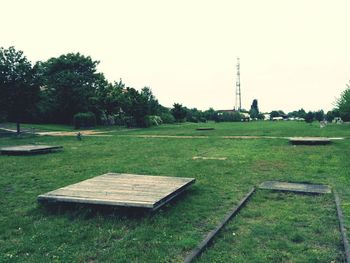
(205, 129)
(172, 195)
(318, 189)
(201, 247)
(92, 201)
(8, 150)
(342, 228)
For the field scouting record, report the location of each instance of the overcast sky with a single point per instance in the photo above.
(293, 53)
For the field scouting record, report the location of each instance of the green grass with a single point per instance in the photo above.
(274, 227)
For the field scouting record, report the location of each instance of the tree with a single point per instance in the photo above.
(179, 112)
(343, 104)
(18, 87)
(254, 110)
(332, 114)
(274, 114)
(319, 115)
(209, 114)
(71, 82)
(309, 117)
(153, 107)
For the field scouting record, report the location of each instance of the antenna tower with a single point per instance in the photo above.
(238, 105)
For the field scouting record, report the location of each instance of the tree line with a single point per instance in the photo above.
(68, 89)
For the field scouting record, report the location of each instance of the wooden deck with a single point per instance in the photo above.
(296, 187)
(27, 149)
(127, 190)
(205, 129)
(309, 140)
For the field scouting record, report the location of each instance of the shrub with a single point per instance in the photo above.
(167, 117)
(228, 116)
(343, 104)
(84, 119)
(152, 120)
(130, 122)
(309, 117)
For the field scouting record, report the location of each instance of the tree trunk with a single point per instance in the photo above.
(18, 128)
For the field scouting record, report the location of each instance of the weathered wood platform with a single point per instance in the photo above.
(127, 190)
(29, 149)
(296, 187)
(309, 140)
(205, 129)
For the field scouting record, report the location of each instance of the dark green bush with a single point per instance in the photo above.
(84, 120)
(130, 122)
(228, 116)
(167, 117)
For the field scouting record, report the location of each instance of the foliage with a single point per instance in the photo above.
(179, 112)
(261, 116)
(152, 120)
(84, 119)
(319, 115)
(274, 114)
(137, 105)
(18, 85)
(254, 109)
(167, 117)
(209, 114)
(332, 114)
(343, 104)
(70, 84)
(297, 114)
(228, 116)
(309, 117)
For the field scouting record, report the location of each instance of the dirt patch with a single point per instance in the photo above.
(83, 133)
(170, 136)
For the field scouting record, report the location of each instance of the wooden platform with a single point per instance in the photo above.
(309, 140)
(28, 149)
(296, 187)
(205, 129)
(127, 190)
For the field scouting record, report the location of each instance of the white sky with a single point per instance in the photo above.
(293, 53)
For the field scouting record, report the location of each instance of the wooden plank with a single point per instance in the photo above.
(342, 228)
(28, 149)
(296, 187)
(309, 140)
(136, 195)
(95, 201)
(121, 189)
(205, 129)
(207, 240)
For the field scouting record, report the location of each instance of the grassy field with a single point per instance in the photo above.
(273, 227)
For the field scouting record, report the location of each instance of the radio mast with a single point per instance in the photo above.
(238, 105)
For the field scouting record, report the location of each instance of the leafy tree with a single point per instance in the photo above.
(309, 117)
(71, 83)
(254, 110)
(332, 114)
(297, 114)
(18, 87)
(209, 114)
(343, 104)
(153, 107)
(274, 114)
(261, 116)
(319, 115)
(179, 112)
(228, 116)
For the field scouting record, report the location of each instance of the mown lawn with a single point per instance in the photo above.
(273, 227)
